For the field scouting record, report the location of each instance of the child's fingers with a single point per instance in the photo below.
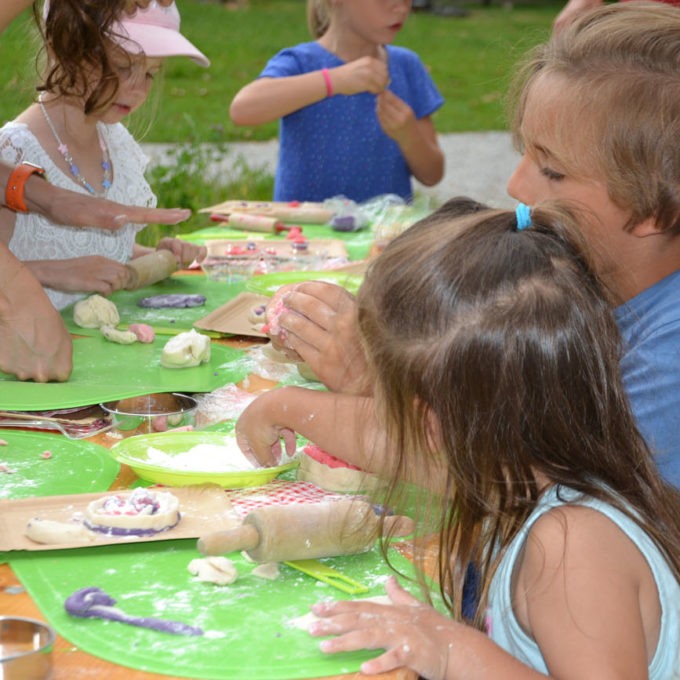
(400, 596)
(289, 441)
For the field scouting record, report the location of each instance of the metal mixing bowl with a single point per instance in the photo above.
(25, 649)
(151, 413)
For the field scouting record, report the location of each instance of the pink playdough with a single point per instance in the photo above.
(143, 331)
(272, 327)
(46, 454)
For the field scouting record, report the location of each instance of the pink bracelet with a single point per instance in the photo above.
(329, 85)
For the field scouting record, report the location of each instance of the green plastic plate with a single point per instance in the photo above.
(104, 371)
(247, 631)
(75, 466)
(133, 451)
(268, 284)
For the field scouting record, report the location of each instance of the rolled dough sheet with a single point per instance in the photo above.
(203, 508)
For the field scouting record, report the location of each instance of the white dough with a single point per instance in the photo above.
(95, 312)
(303, 622)
(48, 531)
(218, 570)
(268, 570)
(185, 350)
(121, 337)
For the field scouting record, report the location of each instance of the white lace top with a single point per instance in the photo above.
(36, 238)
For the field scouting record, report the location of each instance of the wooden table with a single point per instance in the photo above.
(70, 663)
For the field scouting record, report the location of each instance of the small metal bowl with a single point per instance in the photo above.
(151, 413)
(25, 649)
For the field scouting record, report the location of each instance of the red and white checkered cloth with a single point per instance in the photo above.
(279, 492)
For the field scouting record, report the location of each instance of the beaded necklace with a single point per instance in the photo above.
(63, 150)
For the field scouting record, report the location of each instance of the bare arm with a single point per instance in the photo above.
(70, 208)
(584, 593)
(344, 425)
(267, 99)
(417, 139)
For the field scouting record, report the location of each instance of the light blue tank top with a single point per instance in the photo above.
(504, 629)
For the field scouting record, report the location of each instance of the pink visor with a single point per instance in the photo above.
(154, 31)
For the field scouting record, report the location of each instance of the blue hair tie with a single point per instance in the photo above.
(523, 214)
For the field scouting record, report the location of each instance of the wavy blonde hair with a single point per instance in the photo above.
(318, 17)
(618, 116)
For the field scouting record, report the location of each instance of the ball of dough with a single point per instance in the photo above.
(186, 349)
(95, 312)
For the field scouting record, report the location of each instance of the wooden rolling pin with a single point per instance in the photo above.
(150, 268)
(281, 533)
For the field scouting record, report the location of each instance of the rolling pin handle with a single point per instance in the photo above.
(244, 537)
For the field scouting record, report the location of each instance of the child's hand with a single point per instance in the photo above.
(259, 436)
(185, 252)
(367, 74)
(413, 634)
(321, 328)
(396, 117)
(88, 274)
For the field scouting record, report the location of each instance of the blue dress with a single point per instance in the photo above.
(336, 146)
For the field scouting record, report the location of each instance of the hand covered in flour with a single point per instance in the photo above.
(396, 117)
(320, 329)
(366, 74)
(413, 634)
(260, 428)
(185, 252)
(87, 274)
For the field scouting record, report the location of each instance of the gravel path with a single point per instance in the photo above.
(478, 164)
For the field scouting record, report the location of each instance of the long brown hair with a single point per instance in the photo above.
(495, 355)
(76, 36)
(618, 116)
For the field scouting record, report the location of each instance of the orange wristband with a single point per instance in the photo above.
(14, 193)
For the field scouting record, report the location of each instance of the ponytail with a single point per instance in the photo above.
(318, 17)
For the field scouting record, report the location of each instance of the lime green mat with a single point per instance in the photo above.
(104, 371)
(268, 284)
(216, 294)
(358, 243)
(76, 466)
(246, 631)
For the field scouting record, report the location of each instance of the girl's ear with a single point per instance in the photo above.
(646, 228)
(433, 431)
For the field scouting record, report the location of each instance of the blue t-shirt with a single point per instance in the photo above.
(336, 146)
(650, 325)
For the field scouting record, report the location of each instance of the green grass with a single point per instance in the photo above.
(469, 58)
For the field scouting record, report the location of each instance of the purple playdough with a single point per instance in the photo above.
(94, 603)
(172, 300)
